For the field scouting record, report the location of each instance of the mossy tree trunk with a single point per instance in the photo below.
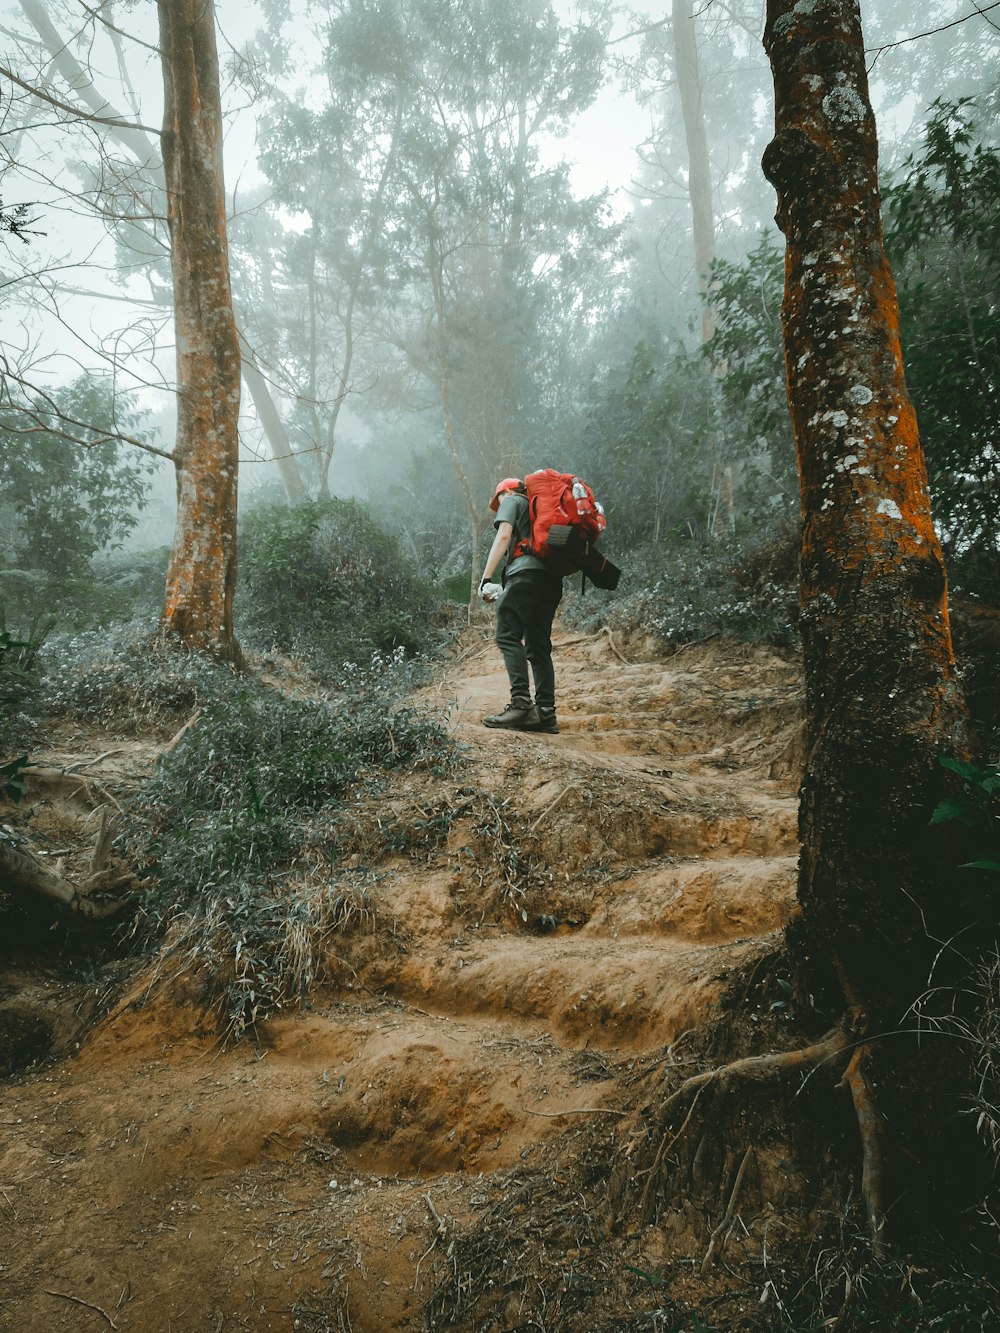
(882, 698)
(201, 578)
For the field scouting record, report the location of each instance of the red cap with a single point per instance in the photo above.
(508, 484)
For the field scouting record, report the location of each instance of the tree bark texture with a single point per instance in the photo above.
(882, 697)
(201, 578)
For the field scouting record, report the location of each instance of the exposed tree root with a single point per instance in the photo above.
(872, 1132)
(845, 1042)
(752, 1069)
(98, 896)
(728, 1215)
(870, 1123)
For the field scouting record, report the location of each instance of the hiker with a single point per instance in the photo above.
(526, 599)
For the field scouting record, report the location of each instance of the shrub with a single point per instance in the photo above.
(115, 589)
(19, 678)
(240, 835)
(127, 680)
(688, 591)
(325, 580)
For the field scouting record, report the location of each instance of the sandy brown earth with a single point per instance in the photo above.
(515, 984)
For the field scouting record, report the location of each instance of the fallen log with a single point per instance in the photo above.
(100, 895)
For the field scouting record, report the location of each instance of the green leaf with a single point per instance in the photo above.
(958, 808)
(964, 770)
(981, 865)
(651, 1278)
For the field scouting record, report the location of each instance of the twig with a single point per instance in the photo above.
(580, 638)
(614, 647)
(178, 736)
(476, 649)
(665, 1144)
(442, 1229)
(64, 1296)
(574, 1110)
(89, 763)
(549, 808)
(102, 843)
(441, 1232)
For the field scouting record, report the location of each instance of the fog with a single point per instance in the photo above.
(465, 240)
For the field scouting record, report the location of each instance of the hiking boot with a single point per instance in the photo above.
(519, 715)
(546, 721)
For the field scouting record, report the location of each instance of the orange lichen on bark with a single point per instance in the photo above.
(201, 579)
(882, 695)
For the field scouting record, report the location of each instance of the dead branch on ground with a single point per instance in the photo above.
(100, 895)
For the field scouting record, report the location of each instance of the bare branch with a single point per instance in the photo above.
(76, 112)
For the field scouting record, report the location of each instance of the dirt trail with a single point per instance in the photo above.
(150, 1182)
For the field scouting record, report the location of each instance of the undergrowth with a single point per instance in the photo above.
(324, 580)
(243, 831)
(19, 679)
(109, 590)
(128, 681)
(689, 591)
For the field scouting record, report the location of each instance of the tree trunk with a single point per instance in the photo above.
(146, 153)
(201, 578)
(274, 429)
(881, 691)
(699, 171)
(722, 520)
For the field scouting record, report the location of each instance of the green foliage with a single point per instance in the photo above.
(67, 498)
(124, 679)
(240, 834)
(18, 662)
(12, 780)
(942, 214)
(747, 342)
(644, 436)
(420, 150)
(850, 1287)
(690, 591)
(105, 592)
(977, 809)
(325, 580)
(943, 235)
(19, 685)
(15, 222)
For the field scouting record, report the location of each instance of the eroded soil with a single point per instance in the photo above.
(364, 1167)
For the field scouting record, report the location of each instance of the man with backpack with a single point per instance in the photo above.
(526, 606)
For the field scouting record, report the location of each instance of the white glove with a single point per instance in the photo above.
(489, 592)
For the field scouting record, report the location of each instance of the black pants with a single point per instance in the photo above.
(524, 633)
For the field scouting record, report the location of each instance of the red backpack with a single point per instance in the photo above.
(566, 521)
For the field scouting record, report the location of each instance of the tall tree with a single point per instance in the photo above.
(455, 237)
(881, 691)
(201, 578)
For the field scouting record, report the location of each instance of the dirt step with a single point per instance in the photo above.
(586, 994)
(132, 1180)
(394, 1091)
(596, 824)
(708, 901)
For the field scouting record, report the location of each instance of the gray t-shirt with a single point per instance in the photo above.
(513, 509)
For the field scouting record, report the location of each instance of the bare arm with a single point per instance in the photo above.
(497, 551)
